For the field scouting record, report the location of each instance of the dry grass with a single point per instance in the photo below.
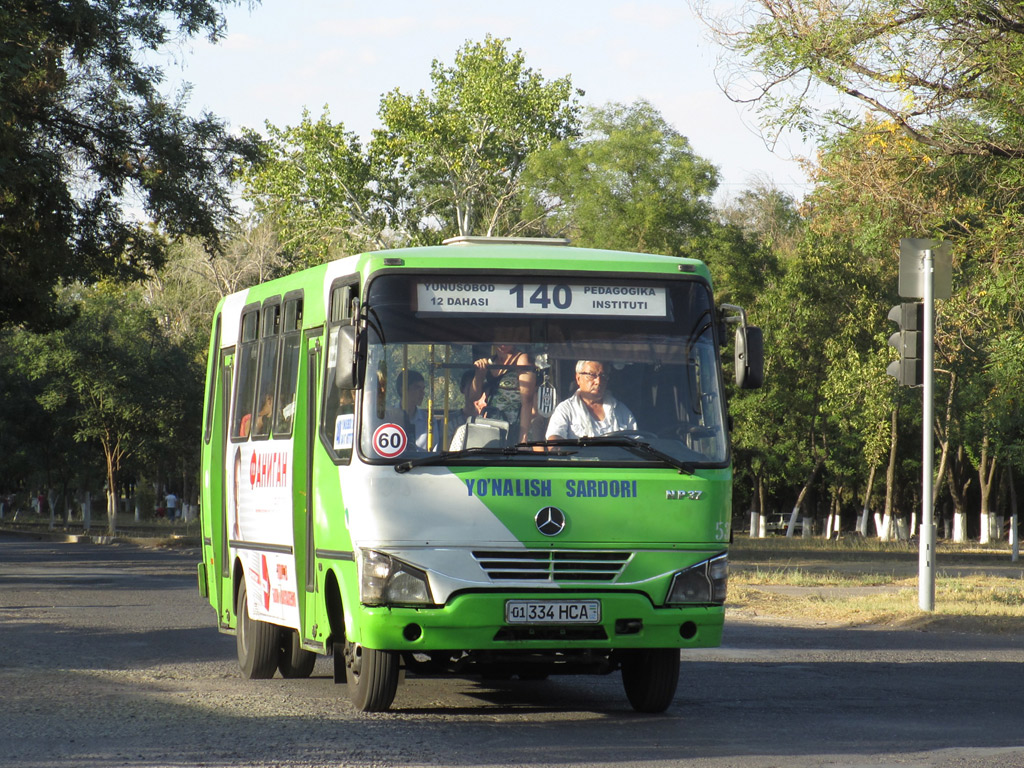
(859, 583)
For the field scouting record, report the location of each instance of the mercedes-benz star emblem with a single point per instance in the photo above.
(550, 521)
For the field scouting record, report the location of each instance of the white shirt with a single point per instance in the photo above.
(572, 418)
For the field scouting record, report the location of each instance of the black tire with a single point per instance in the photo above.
(372, 677)
(292, 659)
(650, 678)
(256, 641)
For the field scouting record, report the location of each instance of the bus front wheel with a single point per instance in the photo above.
(256, 641)
(372, 677)
(650, 678)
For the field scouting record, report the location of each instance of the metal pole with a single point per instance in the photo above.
(926, 564)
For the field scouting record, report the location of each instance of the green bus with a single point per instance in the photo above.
(497, 457)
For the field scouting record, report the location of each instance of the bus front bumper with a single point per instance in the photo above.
(477, 621)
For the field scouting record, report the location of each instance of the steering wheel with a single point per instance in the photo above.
(684, 429)
(641, 433)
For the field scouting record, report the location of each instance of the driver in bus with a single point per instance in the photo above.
(592, 410)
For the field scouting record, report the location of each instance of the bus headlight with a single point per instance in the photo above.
(704, 583)
(385, 580)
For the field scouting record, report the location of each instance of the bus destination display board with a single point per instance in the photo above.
(566, 299)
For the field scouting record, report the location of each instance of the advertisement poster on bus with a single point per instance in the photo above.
(260, 521)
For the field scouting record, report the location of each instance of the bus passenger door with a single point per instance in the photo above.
(221, 542)
(308, 449)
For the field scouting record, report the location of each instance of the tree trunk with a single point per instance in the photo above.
(803, 494)
(885, 531)
(835, 515)
(1014, 538)
(986, 476)
(862, 521)
(110, 453)
(942, 435)
(758, 523)
(958, 494)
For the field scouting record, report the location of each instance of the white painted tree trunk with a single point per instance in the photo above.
(959, 527)
(885, 532)
(988, 526)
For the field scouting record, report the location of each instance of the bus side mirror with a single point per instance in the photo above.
(345, 370)
(749, 357)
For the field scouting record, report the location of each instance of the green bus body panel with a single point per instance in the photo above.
(609, 506)
(666, 520)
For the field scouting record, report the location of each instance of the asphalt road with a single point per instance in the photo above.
(109, 657)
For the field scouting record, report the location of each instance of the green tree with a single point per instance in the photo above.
(85, 132)
(116, 373)
(462, 148)
(630, 182)
(946, 72)
(324, 195)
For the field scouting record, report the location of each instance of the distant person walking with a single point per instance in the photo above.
(171, 503)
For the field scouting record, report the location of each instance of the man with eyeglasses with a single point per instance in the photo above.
(592, 410)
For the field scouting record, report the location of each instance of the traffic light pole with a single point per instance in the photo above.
(926, 563)
(926, 273)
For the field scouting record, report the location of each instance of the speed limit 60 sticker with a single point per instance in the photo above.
(389, 440)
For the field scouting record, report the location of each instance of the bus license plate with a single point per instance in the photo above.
(552, 611)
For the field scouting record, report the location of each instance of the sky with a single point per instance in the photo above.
(286, 55)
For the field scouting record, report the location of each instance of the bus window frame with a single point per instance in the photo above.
(666, 277)
(234, 425)
(328, 389)
(211, 390)
(274, 302)
(284, 336)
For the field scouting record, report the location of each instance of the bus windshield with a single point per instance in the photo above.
(469, 366)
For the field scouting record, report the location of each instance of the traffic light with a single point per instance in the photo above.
(909, 342)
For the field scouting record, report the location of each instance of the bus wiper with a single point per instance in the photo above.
(631, 442)
(445, 456)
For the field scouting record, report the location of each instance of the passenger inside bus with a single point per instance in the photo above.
(592, 409)
(411, 388)
(510, 380)
(471, 407)
(477, 412)
(263, 416)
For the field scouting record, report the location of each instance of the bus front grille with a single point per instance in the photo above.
(552, 565)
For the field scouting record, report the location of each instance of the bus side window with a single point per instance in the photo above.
(288, 384)
(211, 393)
(337, 426)
(270, 344)
(245, 390)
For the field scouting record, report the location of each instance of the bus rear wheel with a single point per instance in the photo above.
(650, 678)
(256, 641)
(372, 677)
(293, 660)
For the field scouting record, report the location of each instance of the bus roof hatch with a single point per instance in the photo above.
(474, 240)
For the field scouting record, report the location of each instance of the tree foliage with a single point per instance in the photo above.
(122, 383)
(323, 194)
(946, 72)
(463, 146)
(86, 133)
(630, 181)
